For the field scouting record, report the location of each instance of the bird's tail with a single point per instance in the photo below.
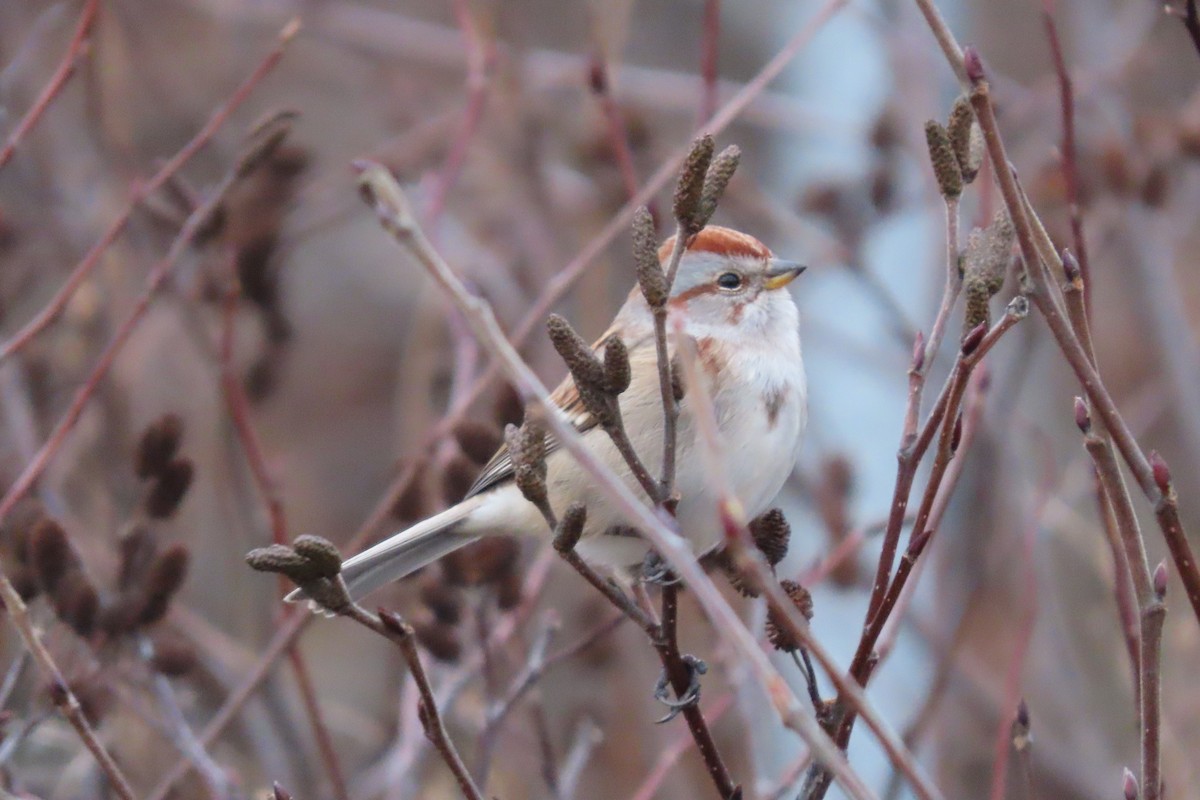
(405, 552)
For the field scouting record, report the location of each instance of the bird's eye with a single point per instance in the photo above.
(729, 281)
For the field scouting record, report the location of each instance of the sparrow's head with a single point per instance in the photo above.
(728, 278)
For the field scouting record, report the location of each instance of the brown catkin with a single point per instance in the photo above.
(170, 488)
(941, 156)
(691, 184)
(778, 632)
(158, 444)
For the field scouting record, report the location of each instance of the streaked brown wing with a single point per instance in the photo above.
(566, 397)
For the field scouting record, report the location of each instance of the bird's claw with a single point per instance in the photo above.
(656, 571)
(690, 698)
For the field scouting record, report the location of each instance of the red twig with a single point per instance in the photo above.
(60, 691)
(76, 50)
(139, 192)
(481, 57)
(618, 139)
(1070, 163)
(671, 754)
(1012, 680)
(238, 406)
(708, 58)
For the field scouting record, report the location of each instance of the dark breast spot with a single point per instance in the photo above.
(774, 400)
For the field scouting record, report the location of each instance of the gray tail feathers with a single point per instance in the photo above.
(405, 552)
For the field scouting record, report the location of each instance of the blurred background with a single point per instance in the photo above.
(521, 128)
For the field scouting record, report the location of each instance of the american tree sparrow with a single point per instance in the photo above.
(728, 293)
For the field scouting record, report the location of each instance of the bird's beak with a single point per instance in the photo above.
(780, 273)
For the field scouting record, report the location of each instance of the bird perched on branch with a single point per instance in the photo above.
(728, 297)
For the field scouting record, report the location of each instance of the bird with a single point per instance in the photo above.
(729, 295)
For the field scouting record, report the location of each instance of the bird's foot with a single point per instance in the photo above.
(690, 698)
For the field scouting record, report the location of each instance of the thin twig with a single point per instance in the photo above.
(708, 58)
(1153, 616)
(238, 406)
(60, 692)
(481, 58)
(140, 191)
(76, 49)
(670, 755)
(214, 777)
(1075, 355)
(1070, 161)
(392, 627)
(530, 674)
(614, 125)
(1012, 703)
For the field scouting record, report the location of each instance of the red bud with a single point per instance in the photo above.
(918, 356)
(1162, 473)
(1160, 580)
(970, 342)
(1082, 418)
(1130, 785)
(973, 64)
(1070, 265)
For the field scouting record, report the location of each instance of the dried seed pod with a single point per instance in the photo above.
(478, 441)
(280, 559)
(138, 547)
(691, 185)
(966, 138)
(778, 632)
(720, 172)
(173, 656)
(945, 165)
(163, 580)
(771, 533)
(51, 554)
(76, 603)
(170, 488)
(570, 527)
(24, 581)
(583, 363)
(323, 557)
(158, 444)
(742, 583)
(18, 525)
(527, 449)
(616, 365)
(509, 591)
(650, 276)
(984, 266)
